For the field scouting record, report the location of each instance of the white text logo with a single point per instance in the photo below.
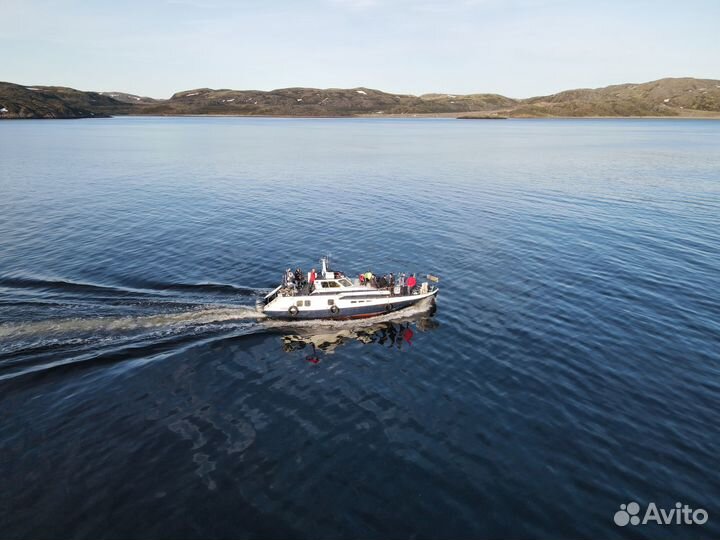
(681, 514)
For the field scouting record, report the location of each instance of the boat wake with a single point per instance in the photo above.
(78, 324)
(130, 287)
(208, 315)
(46, 321)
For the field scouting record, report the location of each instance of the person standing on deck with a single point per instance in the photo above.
(368, 277)
(411, 283)
(391, 284)
(312, 275)
(403, 290)
(290, 280)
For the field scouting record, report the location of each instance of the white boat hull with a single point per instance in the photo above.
(343, 306)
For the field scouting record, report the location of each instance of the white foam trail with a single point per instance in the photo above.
(124, 324)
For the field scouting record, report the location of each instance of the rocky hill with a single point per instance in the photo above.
(665, 97)
(470, 102)
(319, 102)
(18, 101)
(129, 98)
(286, 102)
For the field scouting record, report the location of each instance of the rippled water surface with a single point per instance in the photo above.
(572, 364)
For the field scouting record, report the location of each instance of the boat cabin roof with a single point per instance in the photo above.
(332, 283)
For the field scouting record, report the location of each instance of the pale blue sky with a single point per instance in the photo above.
(518, 48)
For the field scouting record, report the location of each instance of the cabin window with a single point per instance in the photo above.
(298, 303)
(307, 302)
(324, 284)
(353, 301)
(333, 284)
(345, 283)
(331, 302)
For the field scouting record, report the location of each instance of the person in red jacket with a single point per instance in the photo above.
(311, 278)
(411, 282)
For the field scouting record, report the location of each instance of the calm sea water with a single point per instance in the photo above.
(572, 364)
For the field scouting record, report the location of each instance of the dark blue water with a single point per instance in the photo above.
(572, 364)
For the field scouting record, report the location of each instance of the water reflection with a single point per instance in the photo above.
(397, 333)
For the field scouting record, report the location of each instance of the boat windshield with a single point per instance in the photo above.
(332, 283)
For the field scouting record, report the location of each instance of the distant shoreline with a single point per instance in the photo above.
(438, 116)
(682, 98)
(379, 117)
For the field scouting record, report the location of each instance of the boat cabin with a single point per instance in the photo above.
(334, 285)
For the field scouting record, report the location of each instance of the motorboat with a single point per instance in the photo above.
(333, 295)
